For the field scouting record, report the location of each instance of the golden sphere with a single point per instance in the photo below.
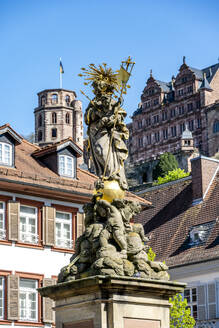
(111, 191)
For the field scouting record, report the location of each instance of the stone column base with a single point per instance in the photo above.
(112, 302)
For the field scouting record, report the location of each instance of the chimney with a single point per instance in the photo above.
(204, 170)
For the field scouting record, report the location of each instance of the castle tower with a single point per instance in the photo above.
(57, 117)
(188, 151)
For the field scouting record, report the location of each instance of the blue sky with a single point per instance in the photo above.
(34, 34)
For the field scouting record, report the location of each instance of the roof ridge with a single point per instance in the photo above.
(30, 143)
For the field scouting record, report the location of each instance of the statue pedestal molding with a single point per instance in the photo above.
(112, 302)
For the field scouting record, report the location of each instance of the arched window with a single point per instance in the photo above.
(54, 98)
(40, 135)
(67, 118)
(216, 127)
(42, 100)
(40, 120)
(54, 118)
(54, 133)
(67, 100)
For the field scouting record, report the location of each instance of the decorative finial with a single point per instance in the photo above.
(184, 59)
(150, 72)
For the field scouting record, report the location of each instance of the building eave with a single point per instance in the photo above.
(33, 189)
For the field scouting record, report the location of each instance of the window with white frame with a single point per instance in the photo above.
(5, 154)
(66, 166)
(2, 221)
(190, 295)
(28, 224)
(28, 299)
(63, 229)
(2, 299)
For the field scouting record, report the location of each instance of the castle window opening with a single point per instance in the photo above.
(67, 118)
(40, 135)
(40, 120)
(54, 133)
(54, 118)
(54, 98)
(216, 127)
(42, 100)
(67, 100)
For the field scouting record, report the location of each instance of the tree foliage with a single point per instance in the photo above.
(167, 162)
(151, 254)
(180, 313)
(171, 176)
(30, 137)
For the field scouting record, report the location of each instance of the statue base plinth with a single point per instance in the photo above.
(112, 302)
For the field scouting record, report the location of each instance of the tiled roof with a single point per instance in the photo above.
(165, 86)
(31, 171)
(51, 148)
(209, 71)
(173, 217)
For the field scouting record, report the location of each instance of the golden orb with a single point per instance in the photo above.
(111, 191)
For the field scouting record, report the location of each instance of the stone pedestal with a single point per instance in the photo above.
(112, 302)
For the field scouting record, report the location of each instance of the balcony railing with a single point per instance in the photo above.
(2, 234)
(64, 243)
(29, 238)
(206, 324)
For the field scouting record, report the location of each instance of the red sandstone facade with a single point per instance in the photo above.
(192, 98)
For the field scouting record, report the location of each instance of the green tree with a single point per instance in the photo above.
(151, 254)
(180, 313)
(171, 176)
(167, 162)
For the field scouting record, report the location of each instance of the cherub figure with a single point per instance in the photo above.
(114, 226)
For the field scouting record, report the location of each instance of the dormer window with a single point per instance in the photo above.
(5, 154)
(198, 235)
(66, 166)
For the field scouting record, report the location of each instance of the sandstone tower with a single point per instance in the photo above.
(57, 117)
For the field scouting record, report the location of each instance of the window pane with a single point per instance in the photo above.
(1, 221)
(1, 205)
(64, 216)
(27, 210)
(28, 283)
(1, 297)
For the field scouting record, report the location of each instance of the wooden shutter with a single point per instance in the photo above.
(13, 297)
(212, 301)
(13, 220)
(202, 313)
(49, 225)
(48, 303)
(80, 224)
